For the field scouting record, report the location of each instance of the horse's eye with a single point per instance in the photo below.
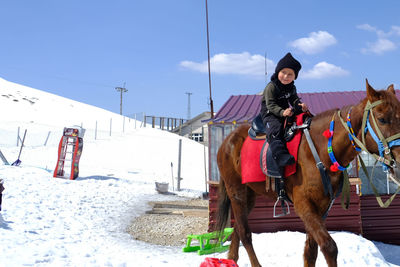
(382, 120)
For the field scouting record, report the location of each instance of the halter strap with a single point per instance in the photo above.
(330, 148)
(351, 132)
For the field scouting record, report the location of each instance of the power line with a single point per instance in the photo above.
(121, 90)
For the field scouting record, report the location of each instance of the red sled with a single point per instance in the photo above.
(215, 262)
(69, 153)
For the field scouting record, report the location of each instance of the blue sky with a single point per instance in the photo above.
(83, 49)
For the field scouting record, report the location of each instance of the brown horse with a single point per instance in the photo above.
(305, 187)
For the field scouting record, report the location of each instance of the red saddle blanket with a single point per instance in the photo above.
(250, 156)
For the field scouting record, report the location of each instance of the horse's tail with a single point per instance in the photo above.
(224, 206)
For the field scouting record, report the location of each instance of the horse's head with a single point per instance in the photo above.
(382, 126)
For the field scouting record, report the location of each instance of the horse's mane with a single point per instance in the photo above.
(324, 114)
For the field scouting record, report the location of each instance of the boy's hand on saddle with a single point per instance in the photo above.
(304, 107)
(288, 112)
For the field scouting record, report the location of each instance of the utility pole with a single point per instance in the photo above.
(122, 90)
(209, 71)
(188, 112)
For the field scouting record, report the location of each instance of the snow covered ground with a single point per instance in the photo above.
(57, 222)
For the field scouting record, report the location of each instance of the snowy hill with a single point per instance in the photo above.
(26, 104)
(29, 108)
(48, 221)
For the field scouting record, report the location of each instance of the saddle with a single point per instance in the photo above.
(252, 157)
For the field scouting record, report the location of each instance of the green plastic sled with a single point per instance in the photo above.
(205, 245)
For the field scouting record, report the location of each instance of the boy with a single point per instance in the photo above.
(277, 96)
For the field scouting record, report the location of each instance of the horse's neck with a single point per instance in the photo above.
(342, 148)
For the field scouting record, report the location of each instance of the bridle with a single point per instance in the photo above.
(384, 144)
(384, 147)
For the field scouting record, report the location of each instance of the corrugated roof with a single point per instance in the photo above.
(239, 108)
(243, 108)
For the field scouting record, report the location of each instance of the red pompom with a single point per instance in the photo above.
(327, 134)
(334, 168)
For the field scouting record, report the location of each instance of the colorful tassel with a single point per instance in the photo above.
(327, 133)
(334, 168)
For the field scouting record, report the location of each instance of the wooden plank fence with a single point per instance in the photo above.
(364, 217)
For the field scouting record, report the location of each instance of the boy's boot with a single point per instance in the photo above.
(280, 153)
(273, 168)
(277, 158)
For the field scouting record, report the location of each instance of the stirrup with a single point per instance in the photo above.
(284, 206)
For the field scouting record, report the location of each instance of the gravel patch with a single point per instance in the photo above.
(169, 230)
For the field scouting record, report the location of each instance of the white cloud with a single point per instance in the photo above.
(382, 44)
(379, 47)
(367, 27)
(324, 70)
(316, 42)
(395, 30)
(242, 64)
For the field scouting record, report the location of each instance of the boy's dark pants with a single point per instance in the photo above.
(274, 134)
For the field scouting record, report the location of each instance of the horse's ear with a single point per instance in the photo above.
(391, 89)
(371, 93)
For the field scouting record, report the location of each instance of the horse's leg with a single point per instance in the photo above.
(233, 253)
(316, 228)
(310, 251)
(242, 200)
(235, 240)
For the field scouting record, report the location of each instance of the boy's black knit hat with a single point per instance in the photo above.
(288, 61)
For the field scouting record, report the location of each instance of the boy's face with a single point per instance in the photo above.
(286, 76)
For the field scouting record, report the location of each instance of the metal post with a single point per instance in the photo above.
(179, 165)
(110, 125)
(387, 183)
(121, 90)
(95, 132)
(188, 111)
(172, 174)
(205, 166)
(48, 135)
